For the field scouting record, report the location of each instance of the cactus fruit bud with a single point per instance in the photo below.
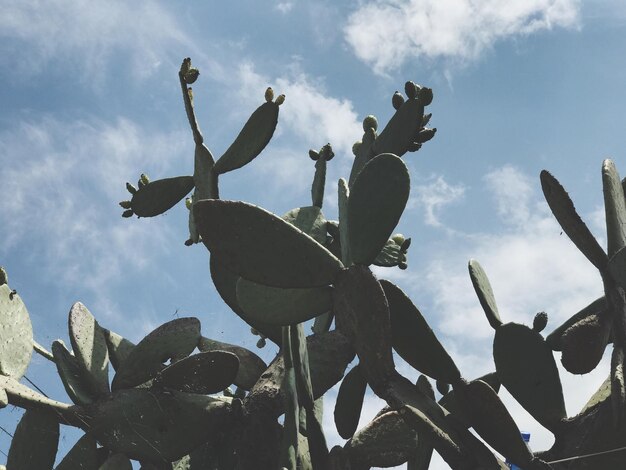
(314, 155)
(188, 203)
(398, 238)
(402, 265)
(404, 246)
(188, 242)
(443, 387)
(414, 147)
(355, 147)
(254, 331)
(131, 189)
(411, 90)
(397, 100)
(128, 213)
(269, 94)
(144, 179)
(426, 119)
(327, 152)
(185, 66)
(425, 96)
(191, 76)
(370, 122)
(280, 100)
(261, 343)
(4, 277)
(125, 204)
(425, 135)
(540, 321)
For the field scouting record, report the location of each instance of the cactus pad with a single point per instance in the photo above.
(349, 402)
(278, 306)
(414, 340)
(614, 207)
(376, 202)
(555, 339)
(310, 220)
(159, 196)
(16, 334)
(262, 247)
(35, 441)
(584, 343)
(83, 455)
(73, 375)
(172, 340)
(119, 348)
(402, 129)
(90, 348)
(481, 284)
(526, 367)
(204, 373)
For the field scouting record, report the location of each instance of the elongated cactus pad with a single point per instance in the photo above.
(155, 426)
(376, 202)
(310, 220)
(343, 194)
(252, 139)
(414, 340)
(160, 196)
(262, 247)
(16, 334)
(555, 339)
(300, 357)
(35, 441)
(603, 393)
(289, 445)
(83, 455)
(119, 348)
(203, 180)
(225, 282)
(73, 375)
(481, 284)
(278, 306)
(251, 366)
(526, 367)
(204, 373)
(349, 402)
(386, 441)
(90, 348)
(584, 342)
(565, 213)
(614, 207)
(451, 404)
(172, 340)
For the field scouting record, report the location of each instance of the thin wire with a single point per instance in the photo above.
(6, 431)
(619, 449)
(34, 385)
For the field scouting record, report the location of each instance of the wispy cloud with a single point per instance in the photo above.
(84, 36)
(385, 35)
(433, 195)
(61, 184)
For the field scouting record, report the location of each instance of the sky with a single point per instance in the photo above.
(90, 99)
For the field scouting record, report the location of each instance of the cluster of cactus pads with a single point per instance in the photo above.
(169, 405)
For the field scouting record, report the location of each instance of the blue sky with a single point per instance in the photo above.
(90, 99)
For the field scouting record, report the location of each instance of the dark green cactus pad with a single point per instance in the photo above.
(119, 348)
(82, 456)
(401, 130)
(155, 426)
(289, 445)
(300, 357)
(584, 342)
(262, 247)
(617, 267)
(318, 449)
(90, 348)
(362, 152)
(252, 139)
(251, 366)
(414, 340)
(451, 404)
(203, 179)
(323, 322)
(386, 441)
(278, 306)
(225, 282)
(172, 340)
(310, 220)
(160, 196)
(376, 202)
(614, 207)
(35, 441)
(481, 284)
(319, 182)
(344, 229)
(117, 462)
(73, 375)
(526, 367)
(16, 334)
(429, 435)
(24, 396)
(492, 421)
(204, 457)
(555, 339)
(391, 255)
(350, 402)
(204, 373)
(565, 213)
(618, 385)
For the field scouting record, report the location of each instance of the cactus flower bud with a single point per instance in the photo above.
(314, 155)
(125, 204)
(131, 189)
(280, 100)
(425, 135)
(261, 343)
(370, 122)
(128, 213)
(356, 146)
(426, 119)
(397, 100)
(398, 238)
(425, 96)
(144, 179)
(4, 277)
(411, 89)
(191, 76)
(269, 94)
(188, 203)
(540, 321)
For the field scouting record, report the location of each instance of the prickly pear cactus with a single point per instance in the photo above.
(169, 406)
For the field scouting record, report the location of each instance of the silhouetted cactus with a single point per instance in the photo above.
(277, 273)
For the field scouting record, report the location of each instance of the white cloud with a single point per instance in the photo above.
(385, 35)
(434, 195)
(84, 36)
(62, 182)
(284, 7)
